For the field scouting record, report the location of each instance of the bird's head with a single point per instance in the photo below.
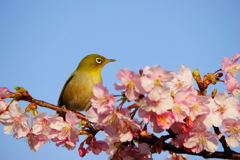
(93, 63)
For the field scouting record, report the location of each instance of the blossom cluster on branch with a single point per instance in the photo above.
(165, 100)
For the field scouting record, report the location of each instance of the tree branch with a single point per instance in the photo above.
(205, 154)
(45, 104)
(222, 140)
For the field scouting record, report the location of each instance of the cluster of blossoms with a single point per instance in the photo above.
(166, 100)
(44, 127)
(170, 102)
(231, 68)
(117, 124)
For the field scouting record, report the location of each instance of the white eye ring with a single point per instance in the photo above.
(99, 60)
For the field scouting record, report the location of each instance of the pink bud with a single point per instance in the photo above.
(3, 91)
(82, 151)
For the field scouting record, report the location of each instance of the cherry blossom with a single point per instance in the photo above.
(102, 100)
(225, 107)
(153, 81)
(183, 78)
(200, 106)
(15, 120)
(131, 82)
(140, 153)
(3, 103)
(197, 141)
(120, 125)
(97, 147)
(68, 135)
(150, 117)
(3, 91)
(231, 67)
(42, 125)
(202, 122)
(164, 102)
(35, 141)
(3, 106)
(111, 141)
(116, 123)
(182, 101)
(178, 140)
(92, 115)
(232, 86)
(232, 129)
(165, 120)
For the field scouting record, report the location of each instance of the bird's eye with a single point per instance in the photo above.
(98, 60)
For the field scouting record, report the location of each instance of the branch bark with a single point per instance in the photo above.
(46, 105)
(205, 154)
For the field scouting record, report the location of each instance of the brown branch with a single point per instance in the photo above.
(58, 109)
(45, 104)
(222, 140)
(205, 154)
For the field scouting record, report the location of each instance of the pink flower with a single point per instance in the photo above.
(97, 147)
(164, 102)
(35, 141)
(120, 124)
(183, 78)
(131, 82)
(102, 100)
(232, 128)
(197, 141)
(179, 139)
(177, 127)
(93, 116)
(15, 120)
(111, 141)
(182, 100)
(117, 123)
(225, 107)
(202, 123)
(68, 133)
(142, 152)
(146, 116)
(232, 86)
(3, 92)
(180, 112)
(150, 117)
(200, 106)
(153, 80)
(3, 106)
(231, 67)
(81, 150)
(165, 120)
(42, 125)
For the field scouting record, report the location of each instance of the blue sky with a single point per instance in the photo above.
(42, 42)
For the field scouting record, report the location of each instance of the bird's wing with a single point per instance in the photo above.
(60, 100)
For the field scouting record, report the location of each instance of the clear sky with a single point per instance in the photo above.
(42, 42)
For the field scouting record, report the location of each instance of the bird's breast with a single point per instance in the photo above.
(78, 92)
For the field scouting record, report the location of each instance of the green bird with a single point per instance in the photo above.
(77, 91)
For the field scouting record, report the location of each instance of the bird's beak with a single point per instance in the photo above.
(110, 60)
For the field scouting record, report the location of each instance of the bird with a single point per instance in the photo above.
(77, 91)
